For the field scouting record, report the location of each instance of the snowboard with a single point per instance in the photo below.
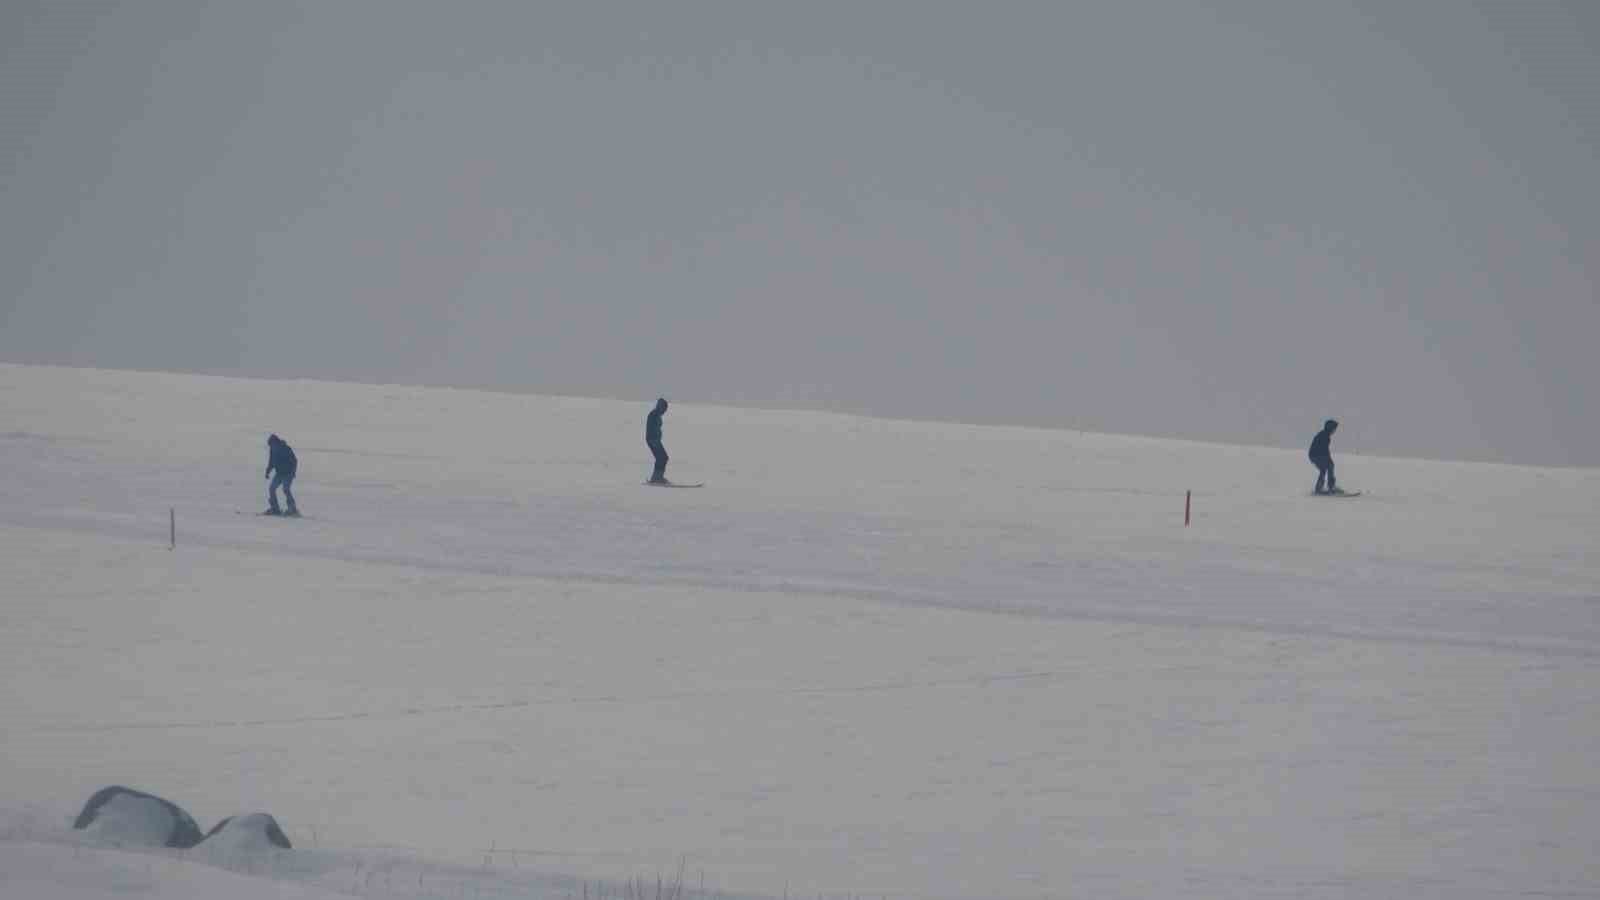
(673, 484)
(1339, 494)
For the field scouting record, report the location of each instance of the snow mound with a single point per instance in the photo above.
(128, 816)
(256, 831)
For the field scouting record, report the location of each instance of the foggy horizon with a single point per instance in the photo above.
(1216, 221)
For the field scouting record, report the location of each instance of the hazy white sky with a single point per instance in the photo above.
(1208, 219)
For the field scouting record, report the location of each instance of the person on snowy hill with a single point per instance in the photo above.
(280, 458)
(652, 439)
(1321, 454)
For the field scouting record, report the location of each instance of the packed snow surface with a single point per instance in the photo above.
(869, 658)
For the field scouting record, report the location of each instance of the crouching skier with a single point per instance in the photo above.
(1321, 454)
(280, 459)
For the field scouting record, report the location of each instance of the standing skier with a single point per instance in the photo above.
(1322, 457)
(652, 439)
(280, 458)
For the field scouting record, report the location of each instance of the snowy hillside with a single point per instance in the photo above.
(869, 658)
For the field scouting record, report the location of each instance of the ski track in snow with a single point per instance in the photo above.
(1026, 594)
(875, 687)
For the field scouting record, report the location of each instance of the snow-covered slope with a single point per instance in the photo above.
(880, 657)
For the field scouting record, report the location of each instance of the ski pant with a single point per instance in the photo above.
(660, 453)
(284, 480)
(1324, 466)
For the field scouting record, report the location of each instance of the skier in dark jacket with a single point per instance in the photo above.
(1321, 454)
(280, 458)
(652, 439)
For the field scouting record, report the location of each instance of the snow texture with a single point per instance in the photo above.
(869, 658)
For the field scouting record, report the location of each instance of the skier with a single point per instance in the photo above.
(280, 457)
(652, 439)
(1322, 457)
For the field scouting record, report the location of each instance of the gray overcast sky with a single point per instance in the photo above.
(1196, 218)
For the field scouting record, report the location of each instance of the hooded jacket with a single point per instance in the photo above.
(281, 457)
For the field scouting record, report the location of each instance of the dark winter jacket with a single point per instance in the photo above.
(1320, 445)
(652, 427)
(281, 457)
